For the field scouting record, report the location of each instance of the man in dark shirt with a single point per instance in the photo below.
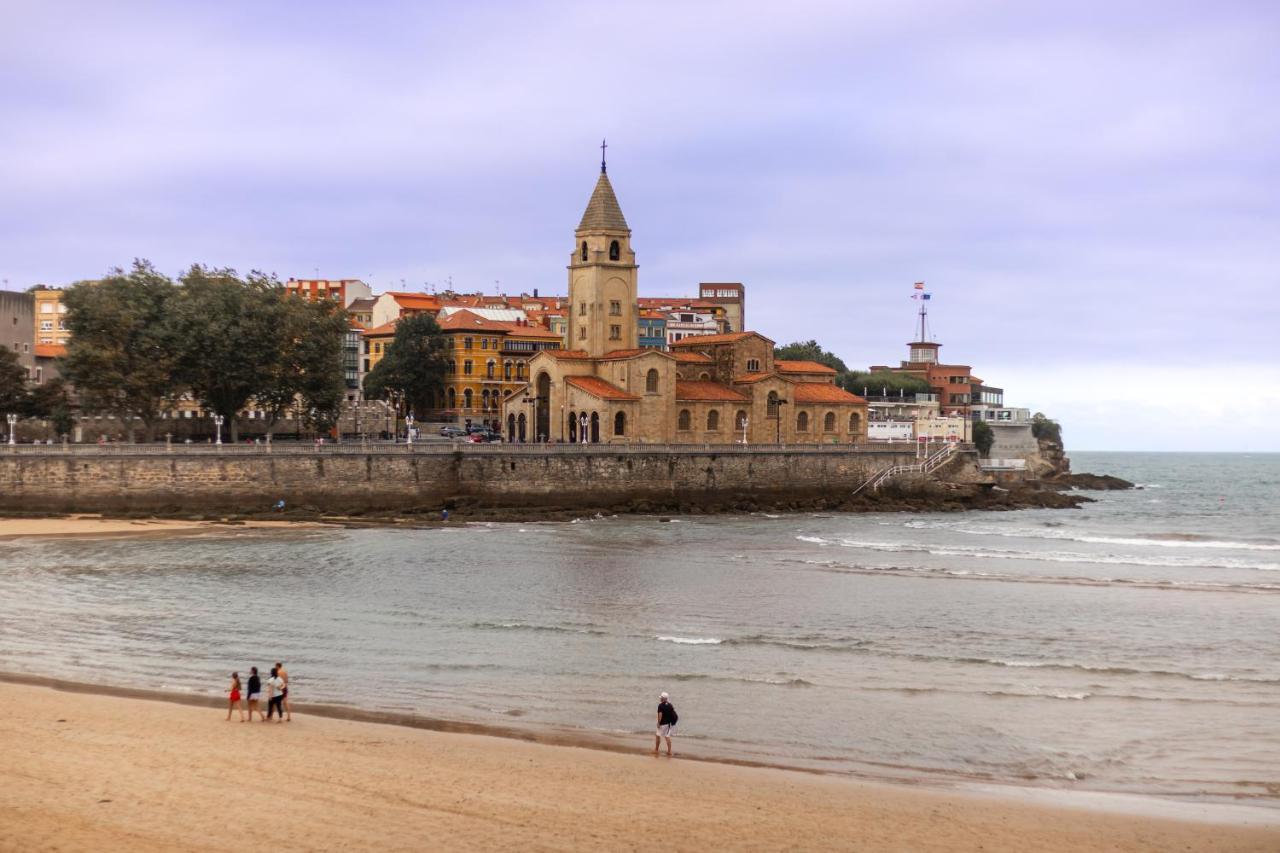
(667, 719)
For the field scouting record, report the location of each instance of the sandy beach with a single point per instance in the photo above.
(95, 526)
(100, 772)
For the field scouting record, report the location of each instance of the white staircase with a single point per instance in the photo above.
(927, 466)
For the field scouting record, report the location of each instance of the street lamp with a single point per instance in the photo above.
(408, 428)
(13, 423)
(531, 427)
(217, 422)
(778, 426)
(744, 429)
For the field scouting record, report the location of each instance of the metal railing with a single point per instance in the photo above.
(928, 466)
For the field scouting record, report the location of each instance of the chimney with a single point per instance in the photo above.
(535, 293)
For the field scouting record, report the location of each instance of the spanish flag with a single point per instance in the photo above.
(919, 285)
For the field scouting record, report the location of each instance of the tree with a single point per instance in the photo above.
(13, 383)
(882, 382)
(415, 362)
(123, 354)
(306, 371)
(52, 402)
(1045, 429)
(229, 329)
(983, 437)
(810, 351)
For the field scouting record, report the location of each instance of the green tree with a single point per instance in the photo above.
(883, 382)
(983, 437)
(810, 351)
(1045, 428)
(415, 363)
(306, 373)
(229, 330)
(51, 401)
(13, 383)
(123, 355)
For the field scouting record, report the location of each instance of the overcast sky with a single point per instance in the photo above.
(1092, 194)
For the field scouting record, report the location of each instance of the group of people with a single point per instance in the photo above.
(277, 695)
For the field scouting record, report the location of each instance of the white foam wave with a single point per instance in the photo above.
(692, 641)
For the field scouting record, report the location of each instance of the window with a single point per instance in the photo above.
(466, 369)
(713, 421)
(484, 343)
(772, 410)
(466, 396)
(466, 343)
(829, 422)
(614, 250)
(584, 250)
(615, 308)
(740, 420)
(366, 366)
(683, 420)
(453, 398)
(582, 333)
(489, 369)
(506, 371)
(366, 347)
(453, 367)
(46, 325)
(651, 381)
(519, 370)
(704, 376)
(753, 365)
(615, 333)
(619, 424)
(802, 422)
(582, 309)
(377, 349)
(46, 308)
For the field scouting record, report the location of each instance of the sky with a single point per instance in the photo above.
(1091, 191)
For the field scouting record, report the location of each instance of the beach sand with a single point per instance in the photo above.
(98, 772)
(92, 526)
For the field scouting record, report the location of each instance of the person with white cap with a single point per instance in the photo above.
(667, 719)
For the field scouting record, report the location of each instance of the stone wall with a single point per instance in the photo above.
(353, 480)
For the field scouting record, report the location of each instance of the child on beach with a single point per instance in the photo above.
(255, 693)
(667, 719)
(275, 696)
(233, 700)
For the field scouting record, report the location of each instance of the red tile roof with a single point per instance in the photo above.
(710, 391)
(50, 350)
(803, 367)
(748, 378)
(467, 321)
(381, 331)
(597, 387)
(416, 300)
(821, 392)
(633, 353)
(567, 353)
(708, 340)
(693, 358)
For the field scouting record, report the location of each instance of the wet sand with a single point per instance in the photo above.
(95, 526)
(99, 772)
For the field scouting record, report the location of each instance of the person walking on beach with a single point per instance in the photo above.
(667, 719)
(275, 696)
(233, 697)
(255, 693)
(284, 676)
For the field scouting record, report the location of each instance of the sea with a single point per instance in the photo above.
(1131, 645)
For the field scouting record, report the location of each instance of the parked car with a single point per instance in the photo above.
(452, 431)
(484, 436)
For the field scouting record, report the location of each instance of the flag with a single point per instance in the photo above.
(926, 296)
(919, 285)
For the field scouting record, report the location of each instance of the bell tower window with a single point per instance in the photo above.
(584, 250)
(614, 251)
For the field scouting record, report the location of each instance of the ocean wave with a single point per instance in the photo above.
(1042, 556)
(740, 679)
(692, 641)
(1103, 670)
(527, 626)
(1055, 580)
(1160, 539)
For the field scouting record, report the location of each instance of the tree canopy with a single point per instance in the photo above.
(882, 382)
(810, 351)
(13, 383)
(414, 363)
(983, 437)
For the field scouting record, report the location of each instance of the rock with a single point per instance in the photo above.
(1091, 482)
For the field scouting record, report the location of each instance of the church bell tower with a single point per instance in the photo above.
(602, 276)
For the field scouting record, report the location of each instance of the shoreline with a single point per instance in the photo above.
(1132, 804)
(103, 772)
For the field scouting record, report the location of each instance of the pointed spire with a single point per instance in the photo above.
(603, 145)
(603, 211)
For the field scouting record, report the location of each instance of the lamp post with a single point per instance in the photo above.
(531, 426)
(408, 428)
(217, 423)
(13, 423)
(745, 420)
(778, 426)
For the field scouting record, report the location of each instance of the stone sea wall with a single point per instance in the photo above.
(351, 480)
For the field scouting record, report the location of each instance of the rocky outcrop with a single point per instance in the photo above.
(1050, 460)
(1089, 482)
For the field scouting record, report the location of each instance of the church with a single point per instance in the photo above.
(709, 389)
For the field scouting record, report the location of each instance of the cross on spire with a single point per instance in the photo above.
(603, 146)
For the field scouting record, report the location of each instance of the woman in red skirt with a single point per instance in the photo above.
(234, 698)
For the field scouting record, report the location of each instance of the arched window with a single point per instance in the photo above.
(651, 381)
(595, 427)
(466, 399)
(519, 370)
(506, 371)
(802, 422)
(740, 420)
(753, 365)
(614, 251)
(511, 427)
(829, 422)
(484, 399)
(683, 420)
(573, 427)
(521, 427)
(490, 368)
(453, 398)
(584, 250)
(855, 424)
(620, 424)
(773, 404)
(704, 376)
(713, 421)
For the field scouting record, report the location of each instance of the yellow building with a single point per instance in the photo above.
(50, 317)
(488, 359)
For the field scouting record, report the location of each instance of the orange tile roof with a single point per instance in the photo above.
(567, 353)
(748, 378)
(50, 350)
(821, 392)
(381, 331)
(597, 387)
(531, 331)
(803, 367)
(467, 321)
(708, 340)
(619, 354)
(652, 315)
(694, 358)
(706, 390)
(415, 300)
